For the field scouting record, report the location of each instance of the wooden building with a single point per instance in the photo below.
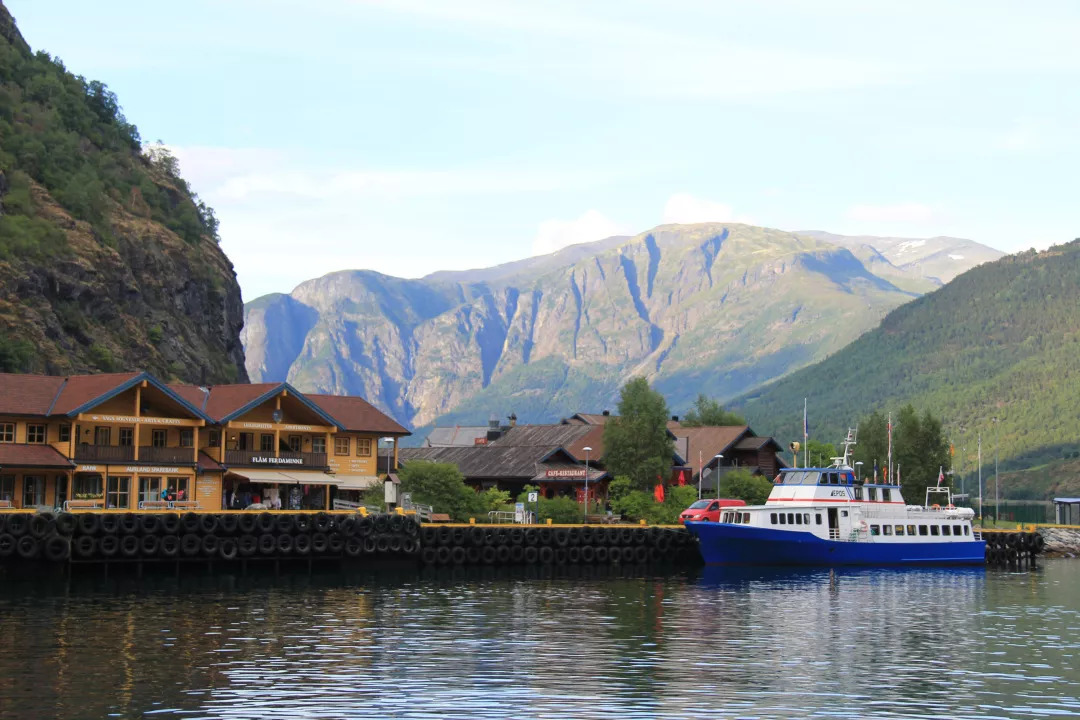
(123, 440)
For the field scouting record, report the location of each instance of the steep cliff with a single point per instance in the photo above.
(107, 258)
(696, 308)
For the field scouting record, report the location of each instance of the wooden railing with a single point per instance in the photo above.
(166, 455)
(104, 453)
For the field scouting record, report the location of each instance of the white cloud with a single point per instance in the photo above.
(910, 213)
(685, 209)
(554, 235)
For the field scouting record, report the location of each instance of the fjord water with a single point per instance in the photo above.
(582, 642)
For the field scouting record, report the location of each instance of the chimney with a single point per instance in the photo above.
(513, 419)
(606, 413)
(494, 432)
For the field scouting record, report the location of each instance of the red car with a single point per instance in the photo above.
(708, 509)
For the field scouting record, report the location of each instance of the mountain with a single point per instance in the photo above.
(1001, 340)
(715, 308)
(108, 260)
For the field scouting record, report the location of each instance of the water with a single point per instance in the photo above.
(850, 644)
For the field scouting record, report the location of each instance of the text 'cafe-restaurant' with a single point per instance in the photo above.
(121, 440)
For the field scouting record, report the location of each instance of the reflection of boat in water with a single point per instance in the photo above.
(827, 516)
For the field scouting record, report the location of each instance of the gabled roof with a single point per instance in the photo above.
(223, 403)
(542, 436)
(457, 436)
(43, 456)
(28, 394)
(521, 462)
(356, 414)
(587, 419)
(706, 442)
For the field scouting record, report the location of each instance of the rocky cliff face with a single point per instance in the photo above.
(695, 308)
(107, 259)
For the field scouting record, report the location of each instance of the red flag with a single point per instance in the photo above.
(682, 478)
(658, 493)
(940, 475)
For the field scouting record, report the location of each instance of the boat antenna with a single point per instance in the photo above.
(845, 459)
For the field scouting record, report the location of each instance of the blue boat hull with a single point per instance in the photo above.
(726, 544)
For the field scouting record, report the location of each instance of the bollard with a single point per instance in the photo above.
(549, 521)
(472, 521)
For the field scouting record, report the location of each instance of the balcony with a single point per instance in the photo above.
(104, 453)
(166, 455)
(284, 459)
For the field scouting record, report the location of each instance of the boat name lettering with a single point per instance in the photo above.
(837, 493)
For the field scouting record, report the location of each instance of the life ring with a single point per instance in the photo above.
(950, 506)
(863, 526)
(935, 506)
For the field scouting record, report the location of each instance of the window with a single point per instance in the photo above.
(899, 529)
(923, 530)
(247, 441)
(33, 490)
(149, 489)
(7, 432)
(886, 495)
(187, 437)
(296, 443)
(935, 530)
(966, 530)
(117, 492)
(159, 438)
(7, 488)
(798, 518)
(86, 487)
(818, 516)
(783, 519)
(806, 518)
(858, 493)
(266, 443)
(875, 529)
(772, 518)
(214, 438)
(65, 433)
(318, 444)
(887, 529)
(35, 434)
(103, 435)
(178, 486)
(126, 437)
(843, 513)
(746, 517)
(363, 447)
(61, 490)
(911, 530)
(341, 446)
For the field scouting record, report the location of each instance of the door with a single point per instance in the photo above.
(834, 524)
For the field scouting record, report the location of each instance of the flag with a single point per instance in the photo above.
(885, 475)
(682, 478)
(658, 493)
(875, 471)
(805, 426)
(940, 475)
(897, 473)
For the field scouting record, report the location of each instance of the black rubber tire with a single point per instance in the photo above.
(322, 522)
(247, 523)
(110, 524)
(663, 543)
(477, 537)
(603, 554)
(335, 543)
(412, 526)
(7, 545)
(573, 555)
(1040, 543)
(371, 545)
(302, 523)
(18, 524)
(109, 545)
(208, 525)
(517, 554)
(265, 522)
(129, 525)
(85, 546)
(561, 537)
(444, 555)
(382, 523)
(560, 556)
(285, 523)
(573, 537)
(210, 545)
(228, 524)
(190, 523)
(472, 555)
(65, 524)
(170, 524)
(285, 544)
(641, 554)
(502, 537)
(227, 549)
(365, 527)
(3, 523)
(267, 544)
(319, 542)
(303, 544)
(585, 534)
(547, 555)
(150, 545)
(488, 555)
(354, 547)
(626, 536)
(502, 554)
(531, 537)
(395, 543)
(531, 554)
(150, 524)
(443, 535)
(517, 536)
(170, 546)
(130, 545)
(654, 554)
(458, 556)
(458, 536)
(41, 525)
(588, 554)
(429, 556)
(619, 555)
(190, 545)
(397, 523)
(347, 526)
(247, 545)
(28, 547)
(89, 523)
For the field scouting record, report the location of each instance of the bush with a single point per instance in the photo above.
(744, 485)
(442, 486)
(494, 499)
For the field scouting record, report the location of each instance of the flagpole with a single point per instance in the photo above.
(980, 477)
(888, 464)
(805, 436)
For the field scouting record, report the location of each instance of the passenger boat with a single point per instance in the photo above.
(829, 516)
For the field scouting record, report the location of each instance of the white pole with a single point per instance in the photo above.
(699, 468)
(587, 449)
(980, 477)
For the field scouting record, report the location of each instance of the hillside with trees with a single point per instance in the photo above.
(1000, 341)
(108, 259)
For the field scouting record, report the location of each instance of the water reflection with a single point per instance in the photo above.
(578, 642)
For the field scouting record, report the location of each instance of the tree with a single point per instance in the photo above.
(708, 412)
(442, 486)
(637, 443)
(744, 485)
(820, 454)
(919, 448)
(495, 499)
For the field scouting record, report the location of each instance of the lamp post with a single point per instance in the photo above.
(719, 457)
(587, 450)
(389, 455)
(858, 470)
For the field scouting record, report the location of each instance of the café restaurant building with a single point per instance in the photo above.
(123, 440)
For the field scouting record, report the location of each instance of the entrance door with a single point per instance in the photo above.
(834, 524)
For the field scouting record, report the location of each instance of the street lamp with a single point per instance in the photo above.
(587, 450)
(389, 455)
(719, 457)
(858, 470)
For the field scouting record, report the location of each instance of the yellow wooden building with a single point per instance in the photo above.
(128, 440)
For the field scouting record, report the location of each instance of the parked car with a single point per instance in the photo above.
(708, 509)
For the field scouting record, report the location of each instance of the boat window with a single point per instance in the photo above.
(935, 530)
(793, 478)
(811, 478)
(886, 495)
(875, 529)
(791, 518)
(843, 513)
(783, 519)
(806, 518)
(818, 515)
(947, 530)
(746, 518)
(798, 518)
(899, 529)
(910, 529)
(772, 518)
(923, 530)
(886, 529)
(833, 479)
(858, 493)
(966, 529)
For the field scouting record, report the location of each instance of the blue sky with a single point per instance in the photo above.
(408, 136)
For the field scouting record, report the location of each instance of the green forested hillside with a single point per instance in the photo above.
(1001, 340)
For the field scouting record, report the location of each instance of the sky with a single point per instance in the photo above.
(409, 136)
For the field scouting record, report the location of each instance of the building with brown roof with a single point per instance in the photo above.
(125, 440)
